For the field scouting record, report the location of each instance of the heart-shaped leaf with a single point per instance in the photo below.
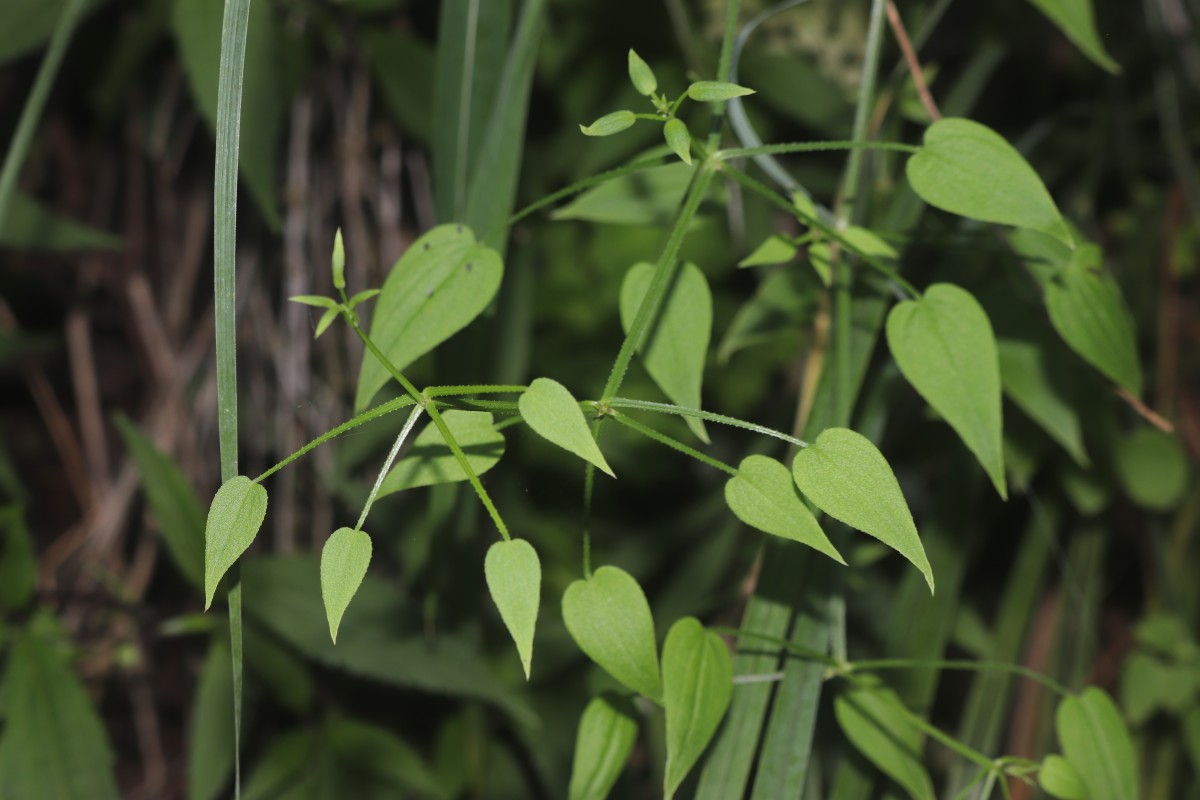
(607, 731)
(875, 722)
(763, 496)
(1096, 742)
(548, 408)
(430, 461)
(969, 169)
(697, 678)
(608, 617)
(944, 345)
(344, 560)
(236, 514)
(442, 282)
(1076, 19)
(676, 345)
(849, 479)
(514, 578)
(1059, 779)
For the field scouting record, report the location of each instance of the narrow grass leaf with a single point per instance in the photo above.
(603, 743)
(344, 561)
(775, 249)
(1096, 742)
(1059, 779)
(429, 460)
(944, 345)
(849, 479)
(608, 617)
(514, 579)
(236, 514)
(716, 91)
(550, 410)
(875, 722)
(609, 124)
(1077, 20)
(697, 680)
(679, 139)
(1032, 380)
(763, 495)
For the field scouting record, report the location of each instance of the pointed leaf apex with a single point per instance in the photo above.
(641, 75)
(339, 261)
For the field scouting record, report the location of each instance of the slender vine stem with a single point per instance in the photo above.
(708, 416)
(387, 465)
(482, 388)
(813, 147)
(671, 442)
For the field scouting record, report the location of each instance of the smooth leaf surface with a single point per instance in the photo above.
(763, 495)
(344, 561)
(550, 410)
(442, 282)
(1153, 468)
(1077, 20)
(1097, 743)
(641, 76)
(429, 461)
(234, 517)
(609, 124)
(697, 680)
(679, 139)
(1058, 778)
(874, 721)
(1029, 378)
(849, 479)
(716, 91)
(970, 170)
(607, 732)
(514, 579)
(608, 617)
(944, 346)
(676, 345)
(775, 249)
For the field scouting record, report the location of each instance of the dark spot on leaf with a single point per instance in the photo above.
(458, 228)
(426, 245)
(469, 265)
(429, 293)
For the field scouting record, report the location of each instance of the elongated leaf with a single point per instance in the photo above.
(1030, 381)
(1076, 19)
(287, 769)
(944, 345)
(610, 123)
(608, 617)
(849, 479)
(970, 170)
(641, 76)
(443, 281)
(1059, 779)
(429, 460)
(607, 731)
(1087, 309)
(649, 197)
(548, 408)
(514, 579)
(763, 495)
(679, 139)
(344, 561)
(697, 679)
(874, 721)
(716, 91)
(236, 514)
(210, 758)
(676, 345)
(18, 562)
(1153, 468)
(28, 225)
(1097, 744)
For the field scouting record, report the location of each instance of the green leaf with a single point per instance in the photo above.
(1097, 743)
(641, 76)
(25, 25)
(1153, 468)
(716, 91)
(29, 225)
(18, 562)
(1149, 685)
(1030, 379)
(337, 262)
(1076, 19)
(1088, 311)
(775, 249)
(876, 723)
(1058, 778)
(236, 514)
(697, 680)
(377, 763)
(607, 732)
(609, 124)
(314, 300)
(209, 754)
(363, 296)
(550, 410)
(676, 345)
(287, 769)
(403, 66)
(970, 170)
(944, 345)
(514, 579)
(763, 496)
(54, 744)
(442, 282)
(326, 320)
(344, 561)
(820, 254)
(679, 139)
(847, 477)
(648, 197)
(430, 461)
(608, 617)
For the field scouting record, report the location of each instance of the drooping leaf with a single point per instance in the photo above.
(514, 579)
(442, 282)
(1030, 381)
(210, 756)
(716, 91)
(609, 124)
(1096, 742)
(550, 410)
(775, 249)
(641, 76)
(234, 517)
(29, 225)
(18, 562)
(679, 139)
(970, 170)
(1076, 19)
(763, 495)
(1088, 311)
(430, 461)
(847, 477)
(874, 721)
(344, 561)
(648, 197)
(1059, 779)
(607, 731)
(1153, 468)
(944, 345)
(697, 681)
(608, 617)
(675, 346)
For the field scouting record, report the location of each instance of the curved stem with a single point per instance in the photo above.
(673, 443)
(387, 465)
(813, 147)
(708, 416)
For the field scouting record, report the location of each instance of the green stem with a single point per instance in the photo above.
(787, 644)
(813, 147)
(387, 465)
(732, 11)
(674, 444)
(708, 416)
(409, 387)
(482, 388)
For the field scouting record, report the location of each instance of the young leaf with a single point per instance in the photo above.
(679, 139)
(326, 320)
(763, 496)
(849, 479)
(608, 617)
(641, 76)
(874, 721)
(970, 170)
(697, 679)
(944, 345)
(442, 282)
(514, 579)
(774, 250)
(344, 560)
(338, 261)
(554, 414)
(1031, 381)
(430, 461)
(364, 295)
(236, 514)
(1076, 19)
(315, 300)
(1088, 311)
(607, 731)
(716, 91)
(676, 346)
(1059, 779)
(1097, 744)
(609, 124)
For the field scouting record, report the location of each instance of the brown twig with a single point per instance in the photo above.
(910, 57)
(1145, 412)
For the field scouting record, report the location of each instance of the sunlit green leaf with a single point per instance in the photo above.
(344, 561)
(1076, 19)
(1097, 743)
(763, 495)
(550, 410)
(875, 722)
(514, 579)
(648, 197)
(607, 732)
(697, 681)
(429, 460)
(820, 254)
(234, 517)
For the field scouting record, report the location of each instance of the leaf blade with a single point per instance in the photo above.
(607, 731)
(697, 678)
(763, 495)
(344, 561)
(554, 414)
(234, 517)
(514, 579)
